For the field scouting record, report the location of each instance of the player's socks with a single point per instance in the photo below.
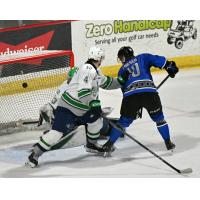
(114, 135)
(164, 132)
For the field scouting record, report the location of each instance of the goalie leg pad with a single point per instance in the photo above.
(49, 139)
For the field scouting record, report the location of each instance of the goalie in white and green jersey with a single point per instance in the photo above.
(79, 104)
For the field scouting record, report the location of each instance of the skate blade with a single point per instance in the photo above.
(93, 151)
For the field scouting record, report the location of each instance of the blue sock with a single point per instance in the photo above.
(114, 135)
(123, 122)
(164, 131)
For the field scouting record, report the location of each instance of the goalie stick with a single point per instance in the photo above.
(184, 171)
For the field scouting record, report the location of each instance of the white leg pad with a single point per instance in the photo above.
(50, 138)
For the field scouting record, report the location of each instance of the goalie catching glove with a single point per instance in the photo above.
(171, 68)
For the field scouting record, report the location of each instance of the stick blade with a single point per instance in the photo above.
(186, 171)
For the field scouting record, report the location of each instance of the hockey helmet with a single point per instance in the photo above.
(96, 53)
(125, 53)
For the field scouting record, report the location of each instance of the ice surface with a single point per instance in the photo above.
(181, 104)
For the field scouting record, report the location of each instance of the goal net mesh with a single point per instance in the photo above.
(28, 81)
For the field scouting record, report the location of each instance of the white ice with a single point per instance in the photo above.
(181, 104)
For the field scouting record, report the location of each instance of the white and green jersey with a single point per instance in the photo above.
(62, 88)
(58, 94)
(84, 87)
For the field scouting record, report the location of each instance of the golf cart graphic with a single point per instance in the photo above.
(183, 31)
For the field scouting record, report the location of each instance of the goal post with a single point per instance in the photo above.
(28, 80)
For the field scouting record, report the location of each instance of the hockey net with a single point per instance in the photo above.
(28, 81)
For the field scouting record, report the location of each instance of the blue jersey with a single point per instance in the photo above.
(138, 73)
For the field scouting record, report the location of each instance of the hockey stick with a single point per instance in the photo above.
(184, 171)
(161, 83)
(30, 122)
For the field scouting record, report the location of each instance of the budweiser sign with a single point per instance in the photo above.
(38, 43)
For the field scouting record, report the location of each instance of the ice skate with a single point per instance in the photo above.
(32, 161)
(169, 145)
(94, 148)
(108, 148)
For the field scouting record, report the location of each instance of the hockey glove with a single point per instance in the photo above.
(71, 73)
(171, 68)
(95, 108)
(94, 113)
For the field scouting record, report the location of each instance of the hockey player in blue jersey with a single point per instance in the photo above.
(140, 92)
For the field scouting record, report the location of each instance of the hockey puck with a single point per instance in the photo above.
(24, 85)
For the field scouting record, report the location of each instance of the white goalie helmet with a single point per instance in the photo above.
(96, 53)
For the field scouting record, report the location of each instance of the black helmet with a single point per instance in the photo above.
(125, 52)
